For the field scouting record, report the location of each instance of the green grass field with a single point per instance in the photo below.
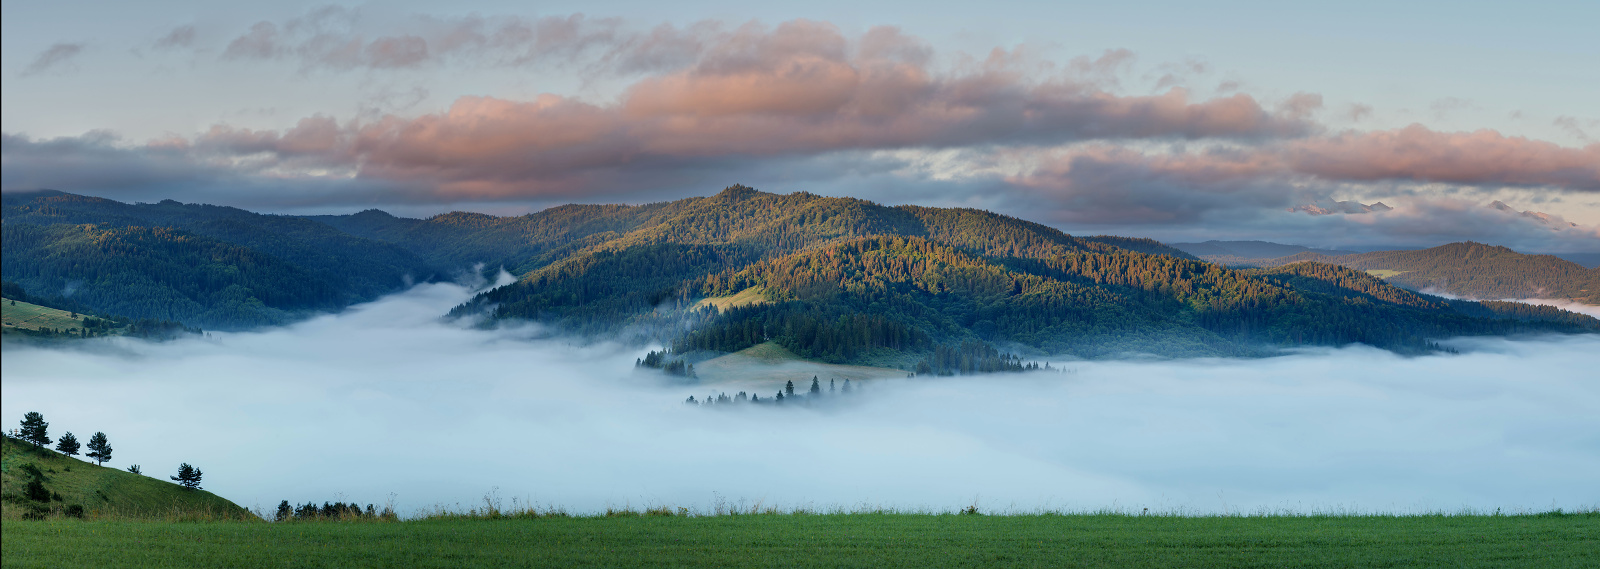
(747, 297)
(842, 540)
(763, 368)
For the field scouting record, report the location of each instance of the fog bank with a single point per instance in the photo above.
(386, 399)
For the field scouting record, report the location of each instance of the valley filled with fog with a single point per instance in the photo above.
(386, 401)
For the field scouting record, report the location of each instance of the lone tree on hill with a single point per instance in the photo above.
(99, 449)
(34, 429)
(188, 476)
(68, 445)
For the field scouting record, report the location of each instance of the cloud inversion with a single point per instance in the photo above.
(387, 398)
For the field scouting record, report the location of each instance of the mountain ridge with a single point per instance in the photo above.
(1471, 270)
(842, 280)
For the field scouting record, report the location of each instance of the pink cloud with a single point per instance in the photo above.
(1419, 154)
(799, 89)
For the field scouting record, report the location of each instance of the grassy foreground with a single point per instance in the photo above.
(844, 540)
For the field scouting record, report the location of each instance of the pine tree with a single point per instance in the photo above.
(35, 430)
(284, 511)
(787, 388)
(68, 445)
(816, 386)
(134, 468)
(832, 389)
(99, 449)
(188, 476)
(846, 385)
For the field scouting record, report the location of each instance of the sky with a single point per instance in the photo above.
(1179, 121)
(387, 403)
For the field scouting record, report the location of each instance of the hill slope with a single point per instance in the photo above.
(100, 491)
(1471, 270)
(208, 266)
(848, 281)
(1223, 251)
(837, 279)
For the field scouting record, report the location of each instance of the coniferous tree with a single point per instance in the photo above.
(36, 491)
(134, 468)
(846, 385)
(99, 448)
(68, 445)
(831, 387)
(779, 397)
(789, 388)
(35, 430)
(284, 511)
(188, 476)
(816, 387)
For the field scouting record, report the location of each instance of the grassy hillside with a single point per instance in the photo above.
(1471, 270)
(836, 540)
(762, 366)
(102, 492)
(18, 317)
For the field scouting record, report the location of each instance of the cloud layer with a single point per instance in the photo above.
(876, 114)
(385, 398)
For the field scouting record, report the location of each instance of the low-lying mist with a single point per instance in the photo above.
(385, 401)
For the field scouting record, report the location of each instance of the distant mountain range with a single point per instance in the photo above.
(1470, 270)
(834, 279)
(1239, 252)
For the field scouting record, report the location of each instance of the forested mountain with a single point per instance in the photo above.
(1471, 270)
(837, 279)
(208, 266)
(850, 281)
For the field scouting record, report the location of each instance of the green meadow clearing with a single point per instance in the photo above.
(828, 540)
(27, 316)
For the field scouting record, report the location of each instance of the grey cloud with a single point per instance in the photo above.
(1442, 108)
(1578, 128)
(1358, 112)
(260, 42)
(54, 57)
(179, 38)
(342, 39)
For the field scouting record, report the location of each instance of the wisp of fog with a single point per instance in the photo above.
(388, 401)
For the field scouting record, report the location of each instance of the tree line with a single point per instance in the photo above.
(35, 431)
(785, 396)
